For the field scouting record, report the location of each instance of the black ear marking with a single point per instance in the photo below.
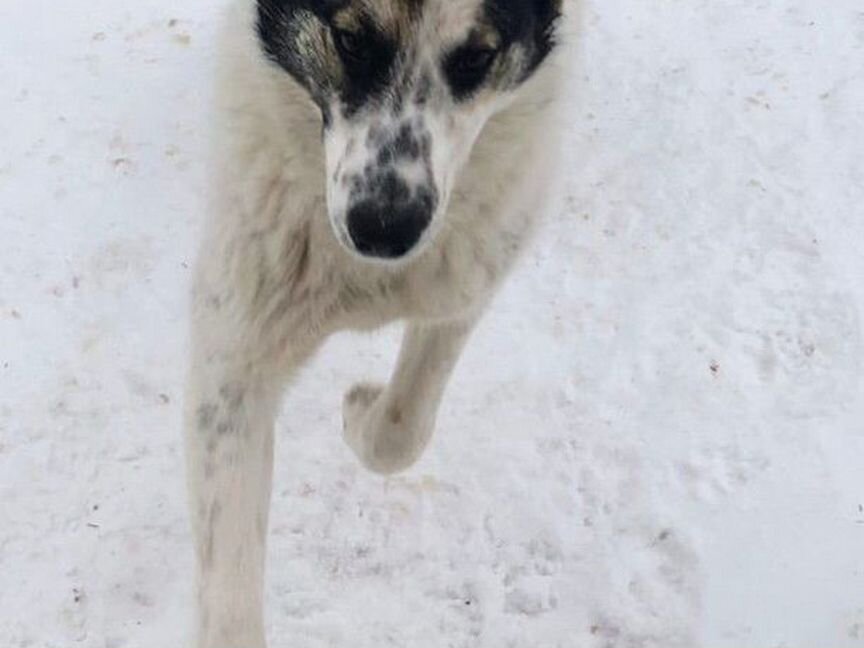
(355, 63)
(548, 13)
(529, 24)
(280, 23)
(518, 19)
(524, 34)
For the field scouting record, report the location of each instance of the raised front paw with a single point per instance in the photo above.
(385, 439)
(356, 407)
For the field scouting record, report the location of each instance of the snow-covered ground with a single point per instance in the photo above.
(656, 438)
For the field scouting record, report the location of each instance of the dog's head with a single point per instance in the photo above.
(404, 88)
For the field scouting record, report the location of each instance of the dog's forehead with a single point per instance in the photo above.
(440, 20)
(451, 19)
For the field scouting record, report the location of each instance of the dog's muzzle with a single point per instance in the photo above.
(385, 177)
(389, 225)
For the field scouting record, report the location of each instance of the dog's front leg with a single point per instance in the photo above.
(229, 447)
(389, 427)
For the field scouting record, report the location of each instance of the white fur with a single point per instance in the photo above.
(273, 282)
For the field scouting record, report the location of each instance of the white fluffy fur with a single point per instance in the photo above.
(273, 282)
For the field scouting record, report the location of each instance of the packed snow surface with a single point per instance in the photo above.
(655, 439)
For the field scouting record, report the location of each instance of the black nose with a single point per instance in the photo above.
(388, 232)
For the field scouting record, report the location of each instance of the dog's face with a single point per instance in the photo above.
(404, 88)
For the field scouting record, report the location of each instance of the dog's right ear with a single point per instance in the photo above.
(293, 34)
(554, 5)
(548, 12)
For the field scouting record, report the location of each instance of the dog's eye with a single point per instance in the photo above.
(474, 61)
(467, 67)
(349, 44)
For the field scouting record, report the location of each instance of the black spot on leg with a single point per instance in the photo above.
(213, 302)
(213, 515)
(232, 395)
(206, 415)
(395, 415)
(222, 416)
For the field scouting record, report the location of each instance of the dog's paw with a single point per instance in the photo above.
(356, 406)
(383, 438)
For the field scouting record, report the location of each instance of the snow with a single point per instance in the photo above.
(656, 437)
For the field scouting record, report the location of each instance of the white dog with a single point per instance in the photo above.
(376, 160)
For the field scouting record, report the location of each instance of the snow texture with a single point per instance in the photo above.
(655, 439)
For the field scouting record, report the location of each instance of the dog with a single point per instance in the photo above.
(372, 161)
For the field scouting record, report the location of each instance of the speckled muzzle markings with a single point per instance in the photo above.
(383, 192)
(392, 167)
